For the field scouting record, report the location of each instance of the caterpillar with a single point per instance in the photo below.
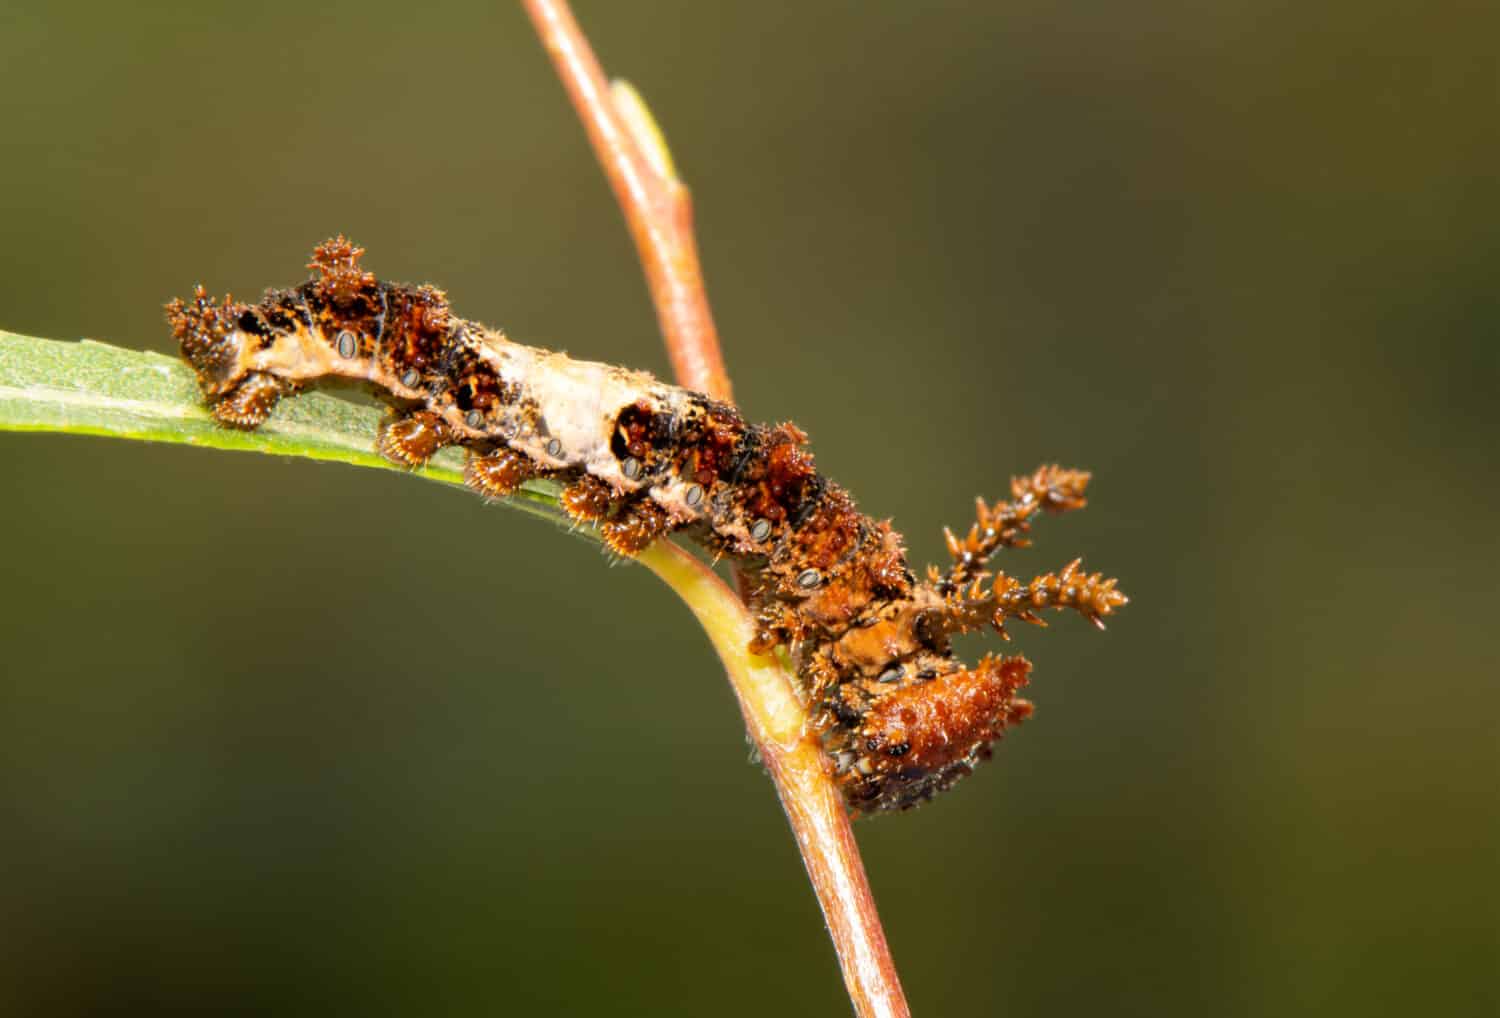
(900, 718)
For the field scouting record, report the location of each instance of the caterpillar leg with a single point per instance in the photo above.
(411, 439)
(499, 473)
(1005, 524)
(586, 500)
(637, 525)
(627, 528)
(247, 406)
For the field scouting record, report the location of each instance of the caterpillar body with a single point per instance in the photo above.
(899, 716)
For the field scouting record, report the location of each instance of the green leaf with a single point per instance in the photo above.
(89, 388)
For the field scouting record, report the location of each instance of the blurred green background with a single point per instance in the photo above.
(306, 739)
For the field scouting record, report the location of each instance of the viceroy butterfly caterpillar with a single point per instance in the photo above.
(899, 716)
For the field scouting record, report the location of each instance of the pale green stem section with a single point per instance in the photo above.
(776, 717)
(644, 129)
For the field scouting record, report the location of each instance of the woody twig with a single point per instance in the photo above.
(657, 206)
(658, 210)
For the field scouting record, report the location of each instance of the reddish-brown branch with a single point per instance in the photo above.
(659, 212)
(815, 810)
(777, 722)
(657, 206)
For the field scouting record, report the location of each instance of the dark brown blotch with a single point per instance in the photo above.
(408, 344)
(251, 323)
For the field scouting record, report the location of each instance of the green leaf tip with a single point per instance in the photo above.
(90, 388)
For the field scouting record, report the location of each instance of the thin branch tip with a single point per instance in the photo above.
(634, 155)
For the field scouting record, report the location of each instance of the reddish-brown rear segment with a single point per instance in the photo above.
(936, 729)
(900, 717)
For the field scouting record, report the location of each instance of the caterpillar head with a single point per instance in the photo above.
(211, 340)
(218, 340)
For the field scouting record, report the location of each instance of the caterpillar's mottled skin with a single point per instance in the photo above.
(900, 717)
